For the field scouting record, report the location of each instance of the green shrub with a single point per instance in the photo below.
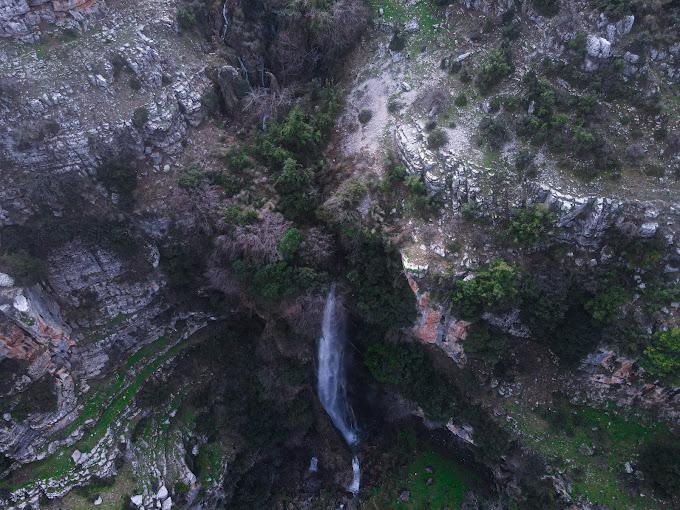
(524, 164)
(408, 367)
(238, 159)
(585, 140)
(211, 102)
(119, 65)
(657, 296)
(605, 305)
(489, 290)
(660, 463)
(186, 17)
(398, 41)
(352, 192)
(294, 186)
(615, 9)
(191, 178)
(299, 136)
(181, 488)
(365, 116)
(393, 106)
(297, 133)
(414, 185)
(546, 8)
(512, 31)
(661, 133)
(498, 65)
(483, 344)
(493, 132)
(120, 177)
(576, 336)
(561, 416)
(454, 247)
(495, 104)
(140, 117)
(236, 216)
(38, 397)
(182, 264)
(578, 44)
(395, 174)
(231, 184)
(437, 139)
(194, 14)
(95, 487)
(273, 282)
(383, 297)
(530, 225)
(552, 308)
(289, 245)
(26, 269)
(662, 357)
(135, 84)
(461, 99)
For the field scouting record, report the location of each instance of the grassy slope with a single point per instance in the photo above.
(398, 13)
(598, 477)
(449, 482)
(106, 404)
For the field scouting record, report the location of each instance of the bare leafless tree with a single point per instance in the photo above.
(304, 315)
(256, 244)
(316, 248)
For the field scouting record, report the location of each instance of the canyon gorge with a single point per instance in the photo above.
(320, 254)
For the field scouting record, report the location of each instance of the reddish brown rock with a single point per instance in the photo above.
(434, 326)
(606, 377)
(68, 5)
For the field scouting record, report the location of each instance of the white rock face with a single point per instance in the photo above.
(648, 229)
(21, 303)
(162, 492)
(137, 500)
(25, 20)
(412, 27)
(76, 455)
(167, 504)
(6, 280)
(624, 26)
(464, 432)
(598, 47)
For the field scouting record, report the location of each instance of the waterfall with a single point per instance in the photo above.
(356, 476)
(332, 387)
(331, 373)
(225, 18)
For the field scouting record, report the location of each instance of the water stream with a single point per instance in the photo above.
(331, 375)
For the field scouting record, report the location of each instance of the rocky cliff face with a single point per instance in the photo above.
(475, 180)
(30, 20)
(68, 107)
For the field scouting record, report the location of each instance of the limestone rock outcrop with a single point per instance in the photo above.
(24, 20)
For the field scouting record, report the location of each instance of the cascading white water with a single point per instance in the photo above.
(225, 19)
(356, 476)
(332, 387)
